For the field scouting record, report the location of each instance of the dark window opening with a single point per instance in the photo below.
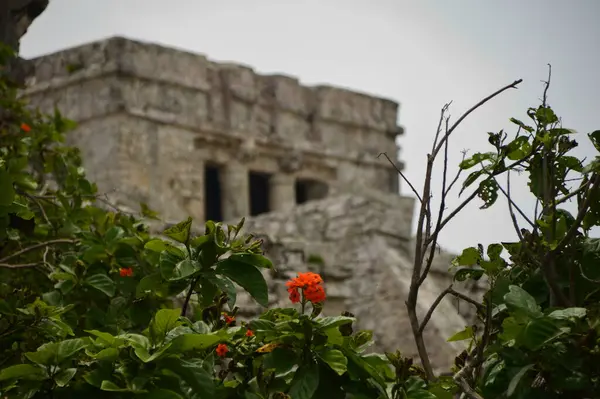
(213, 209)
(259, 193)
(310, 190)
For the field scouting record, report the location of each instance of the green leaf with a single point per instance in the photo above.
(225, 285)
(112, 387)
(189, 342)
(109, 354)
(57, 352)
(164, 321)
(194, 374)
(305, 382)
(420, 394)
(152, 283)
(488, 192)
(22, 371)
(162, 394)
(468, 257)
(105, 337)
(568, 313)
(167, 263)
(325, 323)
(157, 245)
(468, 273)
(494, 251)
(102, 283)
(63, 377)
(594, 138)
(539, 332)
(467, 333)
(257, 260)
(281, 359)
(180, 232)
(145, 356)
(336, 360)
(520, 299)
(246, 276)
(69, 347)
(514, 382)
(522, 125)
(7, 191)
(185, 269)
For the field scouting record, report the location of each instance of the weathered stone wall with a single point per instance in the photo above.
(171, 111)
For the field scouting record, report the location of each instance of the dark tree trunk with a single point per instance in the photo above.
(15, 18)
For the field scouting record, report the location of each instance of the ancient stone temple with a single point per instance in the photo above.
(194, 137)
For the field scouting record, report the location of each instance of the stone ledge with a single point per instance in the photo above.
(182, 68)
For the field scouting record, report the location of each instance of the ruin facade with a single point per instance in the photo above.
(217, 141)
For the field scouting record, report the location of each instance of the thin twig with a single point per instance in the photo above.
(512, 203)
(39, 205)
(513, 85)
(36, 246)
(438, 300)
(510, 210)
(189, 296)
(18, 266)
(442, 208)
(457, 175)
(420, 248)
(402, 175)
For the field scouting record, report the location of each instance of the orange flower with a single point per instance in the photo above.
(25, 127)
(228, 319)
(314, 293)
(294, 295)
(126, 272)
(222, 350)
(309, 283)
(249, 333)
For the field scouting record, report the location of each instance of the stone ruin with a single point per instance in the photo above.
(218, 141)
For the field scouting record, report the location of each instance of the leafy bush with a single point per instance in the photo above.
(87, 296)
(87, 293)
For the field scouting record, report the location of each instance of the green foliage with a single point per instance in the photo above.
(88, 296)
(540, 316)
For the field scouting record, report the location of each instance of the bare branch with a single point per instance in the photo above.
(18, 266)
(422, 241)
(513, 85)
(510, 210)
(457, 174)
(36, 246)
(511, 203)
(438, 300)
(402, 175)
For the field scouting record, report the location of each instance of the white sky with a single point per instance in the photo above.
(419, 53)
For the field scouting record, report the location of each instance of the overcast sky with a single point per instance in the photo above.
(421, 54)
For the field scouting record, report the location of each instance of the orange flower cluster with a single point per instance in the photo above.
(25, 127)
(222, 350)
(126, 272)
(249, 333)
(310, 284)
(228, 319)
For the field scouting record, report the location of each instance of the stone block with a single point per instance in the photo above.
(240, 81)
